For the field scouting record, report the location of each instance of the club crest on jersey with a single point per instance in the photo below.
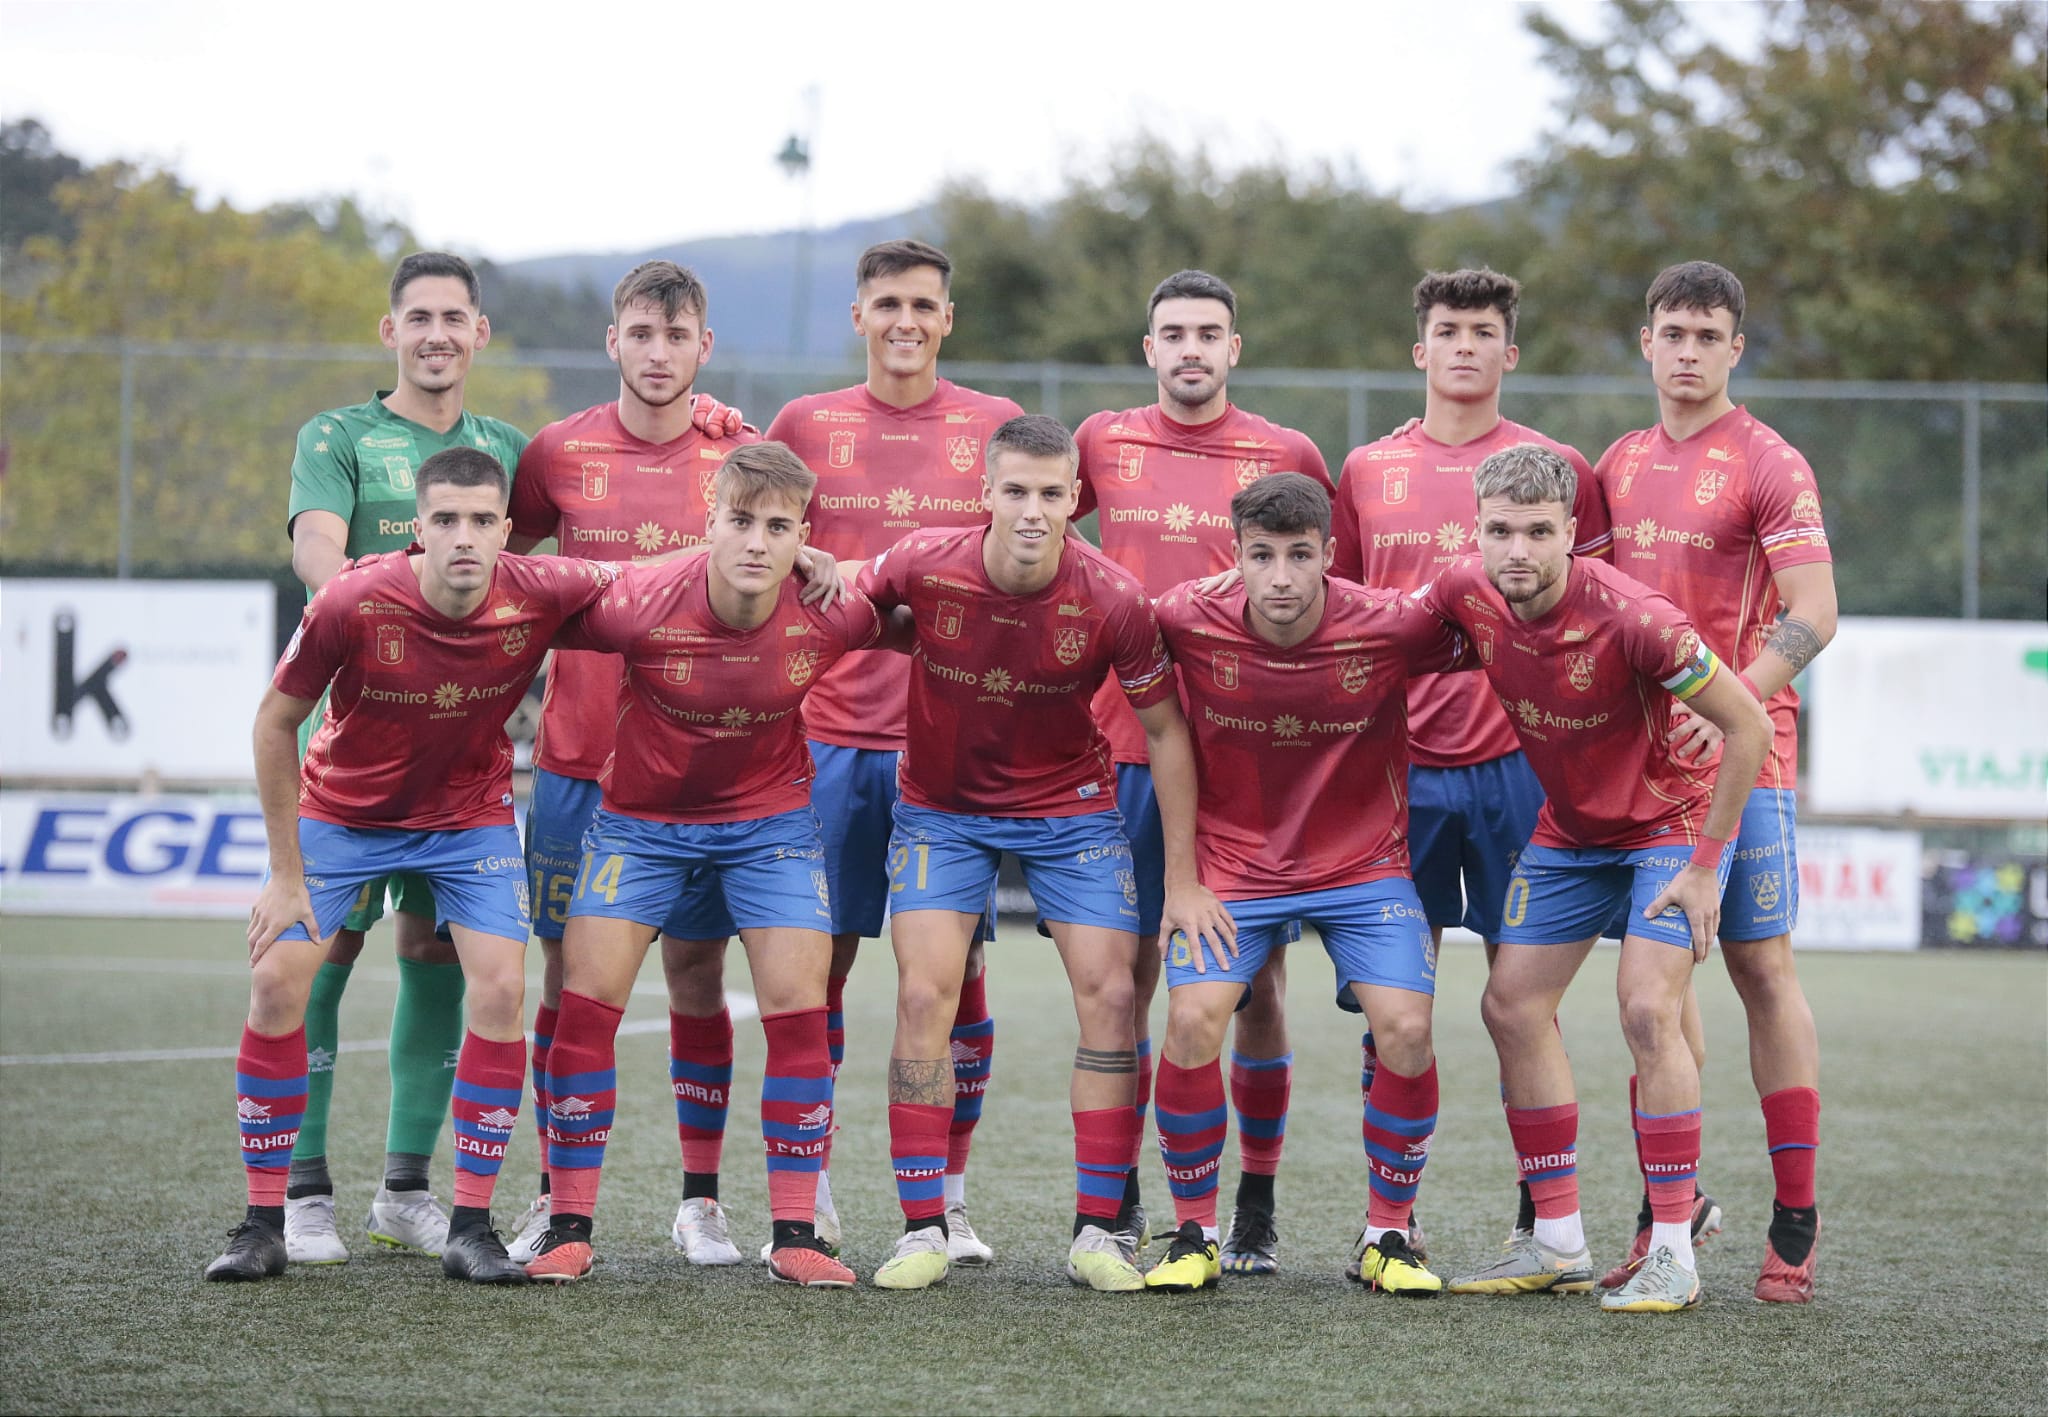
(1707, 486)
(1224, 668)
(597, 480)
(1483, 634)
(799, 665)
(1394, 490)
(707, 485)
(1070, 644)
(1352, 672)
(823, 886)
(1764, 890)
(1130, 462)
(839, 448)
(950, 621)
(1250, 470)
(1127, 882)
(390, 644)
(398, 468)
(962, 452)
(1806, 507)
(1628, 477)
(675, 667)
(513, 639)
(1578, 669)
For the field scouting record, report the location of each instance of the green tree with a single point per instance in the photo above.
(144, 262)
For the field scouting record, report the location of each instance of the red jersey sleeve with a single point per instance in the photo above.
(1345, 527)
(1430, 643)
(1139, 658)
(1595, 535)
(885, 581)
(318, 646)
(1787, 509)
(534, 512)
(608, 624)
(1084, 440)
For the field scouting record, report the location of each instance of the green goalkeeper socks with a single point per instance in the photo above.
(323, 1038)
(426, 1039)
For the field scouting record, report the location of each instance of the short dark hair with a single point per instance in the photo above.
(1192, 285)
(1035, 435)
(763, 470)
(1695, 285)
(1527, 474)
(674, 288)
(435, 263)
(893, 258)
(461, 467)
(1283, 504)
(1483, 289)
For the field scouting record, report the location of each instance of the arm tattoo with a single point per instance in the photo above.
(1796, 642)
(925, 1082)
(1102, 1060)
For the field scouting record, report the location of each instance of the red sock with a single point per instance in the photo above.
(1259, 1089)
(1671, 1163)
(1191, 1122)
(1547, 1150)
(1792, 1131)
(796, 1110)
(1400, 1118)
(700, 1073)
(917, 1147)
(974, 1048)
(835, 1038)
(1104, 1139)
(544, 1021)
(583, 1086)
(483, 1111)
(270, 1100)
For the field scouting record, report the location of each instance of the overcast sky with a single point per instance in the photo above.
(515, 130)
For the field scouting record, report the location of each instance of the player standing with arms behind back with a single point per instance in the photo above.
(1162, 478)
(901, 451)
(1722, 515)
(353, 493)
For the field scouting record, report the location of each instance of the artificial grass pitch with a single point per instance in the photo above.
(118, 1180)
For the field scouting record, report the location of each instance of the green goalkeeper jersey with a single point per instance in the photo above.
(358, 463)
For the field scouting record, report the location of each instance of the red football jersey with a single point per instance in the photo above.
(1404, 510)
(1709, 522)
(1000, 684)
(603, 492)
(1303, 752)
(1588, 686)
(884, 472)
(1163, 489)
(708, 723)
(415, 730)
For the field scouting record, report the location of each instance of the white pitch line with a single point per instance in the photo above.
(740, 1006)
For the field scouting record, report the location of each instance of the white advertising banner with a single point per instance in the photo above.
(106, 854)
(107, 680)
(1859, 889)
(1945, 718)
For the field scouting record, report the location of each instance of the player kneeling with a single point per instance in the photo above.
(1297, 686)
(707, 795)
(427, 655)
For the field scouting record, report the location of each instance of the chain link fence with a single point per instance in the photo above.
(162, 459)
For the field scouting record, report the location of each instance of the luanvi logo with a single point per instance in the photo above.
(70, 690)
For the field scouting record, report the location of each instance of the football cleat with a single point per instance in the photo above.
(919, 1261)
(1418, 1241)
(963, 1246)
(1706, 1224)
(1657, 1284)
(1252, 1245)
(479, 1256)
(255, 1251)
(1390, 1266)
(1133, 1232)
(528, 1231)
(1191, 1263)
(702, 1233)
(1528, 1266)
(1097, 1260)
(408, 1220)
(562, 1259)
(810, 1267)
(310, 1236)
(1781, 1281)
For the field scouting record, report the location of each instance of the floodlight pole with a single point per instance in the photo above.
(795, 161)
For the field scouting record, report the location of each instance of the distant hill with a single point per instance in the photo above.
(552, 301)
